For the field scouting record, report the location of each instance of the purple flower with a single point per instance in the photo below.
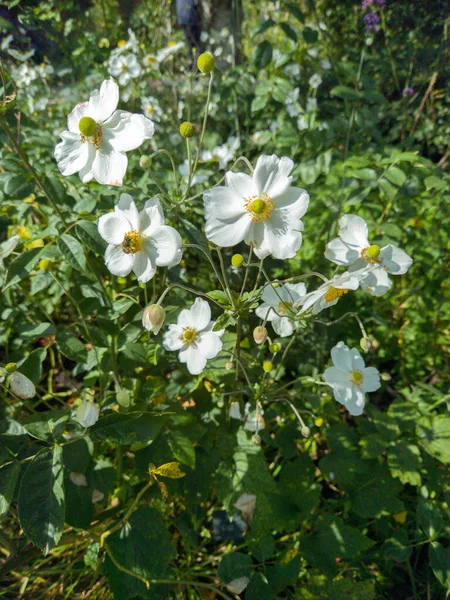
(371, 21)
(409, 91)
(366, 3)
(381, 3)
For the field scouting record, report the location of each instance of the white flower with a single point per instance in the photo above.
(302, 123)
(150, 60)
(329, 293)
(246, 503)
(169, 50)
(313, 52)
(131, 45)
(125, 67)
(293, 110)
(138, 242)
(292, 70)
(224, 153)
(325, 64)
(44, 70)
(263, 209)
(7, 247)
(237, 586)
(41, 104)
(253, 420)
(194, 337)
(99, 136)
(24, 75)
(258, 137)
(277, 306)
(292, 96)
(22, 56)
(350, 378)
(87, 413)
(151, 108)
(315, 80)
(352, 248)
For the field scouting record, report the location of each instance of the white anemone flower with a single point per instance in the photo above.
(277, 304)
(329, 293)
(350, 378)
(151, 108)
(222, 154)
(196, 179)
(353, 249)
(169, 50)
(194, 337)
(7, 247)
(263, 209)
(131, 45)
(315, 80)
(125, 67)
(99, 137)
(138, 241)
(150, 61)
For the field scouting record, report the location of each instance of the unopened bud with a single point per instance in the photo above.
(153, 318)
(267, 366)
(260, 334)
(145, 161)
(123, 398)
(256, 439)
(187, 130)
(228, 365)
(305, 431)
(45, 264)
(11, 368)
(205, 62)
(237, 260)
(274, 348)
(87, 413)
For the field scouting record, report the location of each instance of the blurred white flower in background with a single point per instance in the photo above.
(151, 108)
(125, 67)
(222, 154)
(315, 80)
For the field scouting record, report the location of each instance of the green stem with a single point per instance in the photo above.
(205, 118)
(224, 275)
(246, 270)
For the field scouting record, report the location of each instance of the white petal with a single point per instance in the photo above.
(272, 175)
(167, 243)
(340, 382)
(282, 326)
(235, 411)
(127, 208)
(126, 131)
(85, 173)
(237, 586)
(103, 103)
(172, 339)
(355, 404)
(81, 110)
(109, 166)
(144, 268)
(357, 360)
(240, 184)
(118, 262)
(295, 291)
(151, 217)
(71, 154)
(21, 385)
(113, 227)
(295, 201)
(395, 260)
(353, 231)
(222, 203)
(282, 239)
(342, 357)
(194, 360)
(371, 381)
(341, 253)
(200, 314)
(209, 344)
(267, 311)
(226, 234)
(376, 282)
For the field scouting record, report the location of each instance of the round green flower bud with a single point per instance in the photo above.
(187, 130)
(205, 62)
(153, 318)
(373, 251)
(237, 260)
(11, 368)
(305, 431)
(45, 264)
(267, 366)
(274, 348)
(365, 343)
(260, 334)
(145, 161)
(123, 398)
(229, 365)
(87, 126)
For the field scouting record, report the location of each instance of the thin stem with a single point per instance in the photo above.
(189, 159)
(348, 314)
(187, 289)
(295, 411)
(224, 274)
(208, 256)
(246, 270)
(205, 118)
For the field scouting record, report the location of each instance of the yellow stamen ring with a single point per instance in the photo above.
(259, 207)
(188, 335)
(334, 293)
(132, 242)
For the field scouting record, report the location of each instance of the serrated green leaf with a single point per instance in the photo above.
(21, 267)
(429, 518)
(434, 435)
(72, 347)
(127, 428)
(72, 252)
(289, 31)
(219, 297)
(263, 54)
(345, 92)
(88, 233)
(9, 474)
(46, 426)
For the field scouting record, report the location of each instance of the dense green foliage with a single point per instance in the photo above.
(359, 508)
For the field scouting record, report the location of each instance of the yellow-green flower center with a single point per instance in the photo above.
(370, 254)
(284, 307)
(259, 207)
(188, 335)
(334, 293)
(132, 242)
(87, 126)
(11, 368)
(357, 377)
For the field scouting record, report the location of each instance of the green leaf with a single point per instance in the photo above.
(364, 174)
(310, 35)
(258, 588)
(258, 103)
(9, 427)
(398, 547)
(127, 428)
(387, 188)
(404, 462)
(263, 54)
(32, 365)
(21, 267)
(367, 501)
(429, 518)
(41, 499)
(233, 566)
(35, 331)
(289, 31)
(19, 186)
(182, 447)
(263, 27)
(345, 92)
(395, 176)
(294, 10)
(88, 233)
(72, 347)
(434, 436)
(72, 251)
(224, 321)
(439, 557)
(9, 474)
(219, 297)
(46, 426)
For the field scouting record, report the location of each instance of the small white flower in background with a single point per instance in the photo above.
(315, 80)
(353, 249)
(125, 67)
(138, 241)
(151, 61)
(44, 70)
(99, 136)
(276, 305)
(78, 479)
(292, 70)
(22, 56)
(253, 420)
(246, 504)
(311, 104)
(350, 378)
(41, 104)
(24, 75)
(194, 337)
(293, 110)
(325, 64)
(151, 108)
(263, 209)
(258, 137)
(329, 293)
(313, 52)
(6, 42)
(292, 96)
(87, 413)
(237, 586)
(171, 49)
(302, 123)
(7, 247)
(184, 171)
(223, 154)
(97, 496)
(131, 45)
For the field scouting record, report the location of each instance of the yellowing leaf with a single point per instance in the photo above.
(171, 470)
(401, 517)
